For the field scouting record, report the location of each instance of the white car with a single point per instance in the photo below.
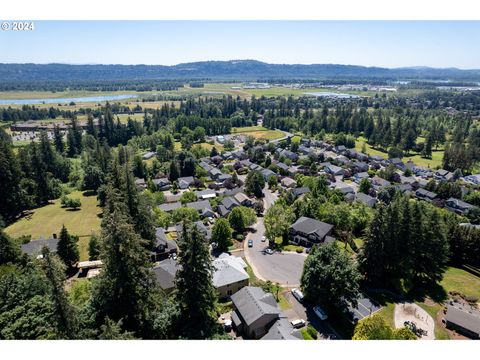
(320, 313)
(269, 251)
(297, 293)
(264, 238)
(298, 323)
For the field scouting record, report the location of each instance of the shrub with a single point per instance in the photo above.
(299, 250)
(312, 332)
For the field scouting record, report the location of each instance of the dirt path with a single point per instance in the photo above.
(414, 313)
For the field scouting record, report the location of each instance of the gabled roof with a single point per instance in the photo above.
(252, 303)
(366, 199)
(465, 317)
(301, 190)
(199, 205)
(165, 273)
(308, 226)
(170, 206)
(228, 270)
(282, 329)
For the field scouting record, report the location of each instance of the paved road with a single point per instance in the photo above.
(284, 268)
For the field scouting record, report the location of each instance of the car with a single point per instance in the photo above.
(227, 324)
(269, 251)
(320, 313)
(298, 323)
(250, 243)
(297, 293)
(264, 238)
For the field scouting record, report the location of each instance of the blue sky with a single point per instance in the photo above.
(369, 43)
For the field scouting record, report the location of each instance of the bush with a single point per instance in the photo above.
(312, 332)
(299, 250)
(239, 237)
(70, 203)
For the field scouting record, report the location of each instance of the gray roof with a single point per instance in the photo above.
(200, 206)
(229, 203)
(35, 247)
(170, 206)
(252, 303)
(282, 329)
(308, 225)
(301, 190)
(200, 226)
(228, 270)
(366, 199)
(165, 273)
(465, 317)
(425, 193)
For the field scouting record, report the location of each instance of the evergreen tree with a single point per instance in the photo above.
(9, 251)
(67, 248)
(254, 183)
(94, 248)
(196, 295)
(58, 140)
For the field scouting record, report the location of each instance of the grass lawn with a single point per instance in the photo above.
(436, 160)
(259, 132)
(283, 302)
(461, 281)
(47, 220)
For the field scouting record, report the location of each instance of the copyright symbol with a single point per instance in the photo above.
(5, 26)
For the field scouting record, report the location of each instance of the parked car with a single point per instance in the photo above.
(320, 313)
(297, 293)
(227, 324)
(269, 251)
(298, 323)
(264, 238)
(250, 243)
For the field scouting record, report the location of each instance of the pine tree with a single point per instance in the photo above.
(196, 295)
(94, 248)
(67, 248)
(58, 140)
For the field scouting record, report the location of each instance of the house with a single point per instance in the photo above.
(443, 175)
(334, 170)
(473, 179)
(398, 163)
(379, 183)
(267, 174)
(162, 184)
(463, 318)
(297, 192)
(344, 188)
(203, 207)
(205, 166)
(425, 195)
(340, 149)
(170, 206)
(359, 166)
(163, 246)
(307, 232)
(288, 154)
(229, 275)
(148, 155)
(283, 167)
(185, 182)
(358, 177)
(288, 182)
(365, 199)
(227, 205)
(458, 206)
(243, 199)
(256, 312)
(165, 272)
(34, 247)
(214, 173)
(205, 194)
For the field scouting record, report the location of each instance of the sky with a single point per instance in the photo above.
(369, 43)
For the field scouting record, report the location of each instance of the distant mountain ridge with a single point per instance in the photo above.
(233, 69)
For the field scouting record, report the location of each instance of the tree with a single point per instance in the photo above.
(254, 183)
(272, 182)
(9, 251)
(94, 248)
(184, 213)
(278, 220)
(374, 327)
(126, 287)
(188, 196)
(195, 295)
(55, 273)
(93, 178)
(174, 172)
(237, 220)
(67, 248)
(330, 275)
(365, 186)
(222, 234)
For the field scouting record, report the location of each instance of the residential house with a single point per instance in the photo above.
(34, 247)
(141, 184)
(307, 232)
(205, 231)
(458, 206)
(206, 194)
(267, 174)
(203, 207)
(334, 170)
(162, 184)
(243, 199)
(473, 179)
(379, 183)
(443, 175)
(163, 246)
(170, 206)
(358, 177)
(365, 199)
(185, 182)
(165, 272)
(229, 275)
(288, 182)
(148, 155)
(227, 205)
(255, 312)
(297, 192)
(425, 195)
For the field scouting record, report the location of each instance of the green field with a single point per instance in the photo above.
(435, 161)
(259, 132)
(461, 281)
(47, 220)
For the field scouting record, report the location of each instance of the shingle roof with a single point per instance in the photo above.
(252, 303)
(467, 318)
(308, 225)
(228, 270)
(170, 206)
(165, 273)
(35, 247)
(282, 329)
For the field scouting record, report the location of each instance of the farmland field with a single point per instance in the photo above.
(259, 132)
